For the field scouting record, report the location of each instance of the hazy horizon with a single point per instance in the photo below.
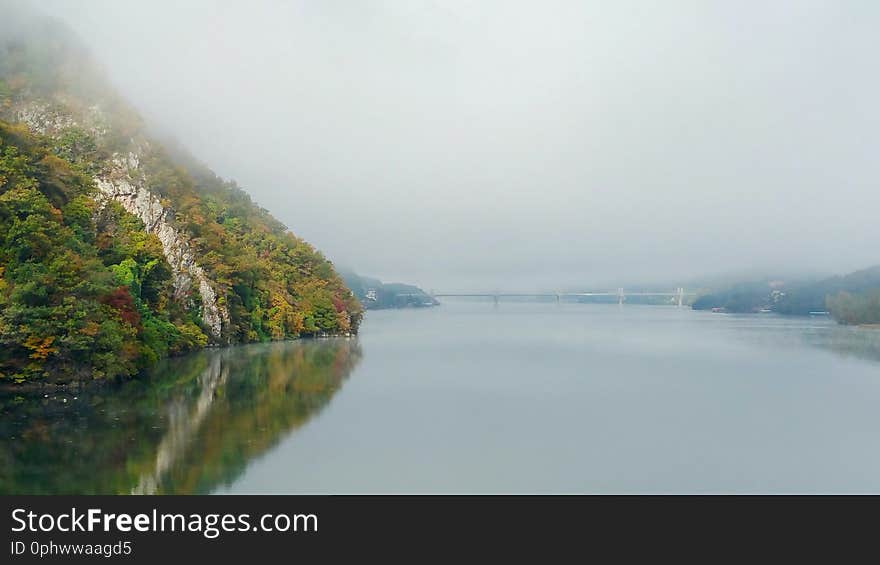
(499, 145)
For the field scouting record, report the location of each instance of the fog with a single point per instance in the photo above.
(523, 145)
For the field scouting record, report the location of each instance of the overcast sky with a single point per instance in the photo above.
(504, 144)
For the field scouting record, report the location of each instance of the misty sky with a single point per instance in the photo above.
(521, 145)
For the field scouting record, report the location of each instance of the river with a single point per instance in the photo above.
(471, 397)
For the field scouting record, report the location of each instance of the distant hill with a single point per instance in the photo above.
(374, 294)
(742, 297)
(802, 299)
(848, 298)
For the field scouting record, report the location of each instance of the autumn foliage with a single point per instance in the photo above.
(86, 291)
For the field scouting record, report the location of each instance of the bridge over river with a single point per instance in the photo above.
(676, 296)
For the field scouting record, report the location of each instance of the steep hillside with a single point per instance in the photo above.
(116, 252)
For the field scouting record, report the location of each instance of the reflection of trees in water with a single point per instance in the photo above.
(192, 426)
(270, 391)
(861, 342)
(792, 332)
(184, 424)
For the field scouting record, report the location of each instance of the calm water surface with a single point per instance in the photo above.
(474, 398)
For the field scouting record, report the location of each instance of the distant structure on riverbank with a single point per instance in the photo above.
(375, 295)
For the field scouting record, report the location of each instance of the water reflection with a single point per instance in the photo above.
(189, 428)
(796, 332)
(848, 341)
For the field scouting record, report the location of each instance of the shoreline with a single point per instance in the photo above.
(29, 387)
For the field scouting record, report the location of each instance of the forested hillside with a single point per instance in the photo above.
(114, 252)
(852, 299)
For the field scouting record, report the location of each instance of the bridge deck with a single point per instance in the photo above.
(555, 294)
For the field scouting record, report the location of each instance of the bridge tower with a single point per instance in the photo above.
(620, 296)
(679, 297)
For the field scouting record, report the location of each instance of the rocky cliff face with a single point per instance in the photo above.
(123, 180)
